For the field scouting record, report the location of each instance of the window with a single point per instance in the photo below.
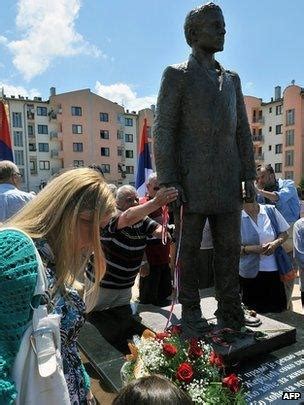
(270, 110)
(105, 168)
(30, 130)
(17, 120)
(33, 166)
(119, 151)
(129, 137)
(279, 109)
(119, 134)
(105, 151)
(77, 147)
(78, 163)
(76, 129)
(104, 117)
(42, 111)
(129, 169)
(254, 132)
(104, 134)
(43, 147)
(278, 167)
(76, 111)
(18, 138)
(30, 111)
(278, 129)
(44, 165)
(120, 119)
(43, 129)
(129, 122)
(289, 138)
(32, 147)
(149, 132)
(270, 129)
(129, 154)
(289, 175)
(269, 147)
(289, 157)
(278, 148)
(290, 117)
(19, 158)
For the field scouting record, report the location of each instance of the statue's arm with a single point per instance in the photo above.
(244, 138)
(166, 126)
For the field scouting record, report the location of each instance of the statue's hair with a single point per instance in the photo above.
(193, 17)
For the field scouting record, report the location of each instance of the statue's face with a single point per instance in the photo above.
(209, 33)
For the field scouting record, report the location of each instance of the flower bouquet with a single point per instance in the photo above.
(190, 364)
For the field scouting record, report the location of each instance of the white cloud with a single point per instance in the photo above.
(48, 29)
(3, 40)
(122, 94)
(11, 90)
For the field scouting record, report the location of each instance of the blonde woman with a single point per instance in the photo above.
(64, 221)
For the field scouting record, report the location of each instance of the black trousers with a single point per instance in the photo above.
(116, 325)
(264, 293)
(225, 230)
(157, 286)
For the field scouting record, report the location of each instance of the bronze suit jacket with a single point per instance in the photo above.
(202, 139)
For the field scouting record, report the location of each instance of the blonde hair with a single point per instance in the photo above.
(54, 215)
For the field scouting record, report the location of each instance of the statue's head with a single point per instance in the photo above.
(205, 28)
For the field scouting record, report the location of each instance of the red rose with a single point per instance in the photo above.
(194, 349)
(162, 335)
(176, 329)
(185, 373)
(232, 382)
(169, 350)
(216, 360)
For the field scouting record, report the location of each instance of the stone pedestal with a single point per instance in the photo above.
(276, 334)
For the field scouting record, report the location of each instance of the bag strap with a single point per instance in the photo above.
(273, 220)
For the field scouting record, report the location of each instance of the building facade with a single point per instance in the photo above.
(277, 129)
(34, 140)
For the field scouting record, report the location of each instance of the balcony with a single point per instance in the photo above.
(54, 153)
(53, 135)
(257, 138)
(258, 120)
(259, 157)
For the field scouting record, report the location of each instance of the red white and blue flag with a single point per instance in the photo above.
(6, 152)
(144, 165)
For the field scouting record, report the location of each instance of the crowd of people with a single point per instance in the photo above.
(77, 214)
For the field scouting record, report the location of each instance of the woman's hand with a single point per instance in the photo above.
(257, 249)
(90, 398)
(269, 248)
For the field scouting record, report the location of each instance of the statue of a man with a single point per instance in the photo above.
(203, 147)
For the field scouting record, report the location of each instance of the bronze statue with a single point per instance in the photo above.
(203, 147)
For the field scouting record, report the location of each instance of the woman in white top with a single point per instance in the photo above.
(262, 289)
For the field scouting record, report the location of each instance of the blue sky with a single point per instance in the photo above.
(119, 48)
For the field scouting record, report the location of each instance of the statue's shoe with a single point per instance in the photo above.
(192, 322)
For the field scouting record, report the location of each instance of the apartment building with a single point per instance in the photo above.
(34, 140)
(148, 114)
(94, 130)
(277, 129)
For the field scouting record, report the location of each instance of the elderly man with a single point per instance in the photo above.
(203, 147)
(155, 285)
(11, 198)
(124, 240)
(282, 193)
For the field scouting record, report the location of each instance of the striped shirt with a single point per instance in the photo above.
(124, 249)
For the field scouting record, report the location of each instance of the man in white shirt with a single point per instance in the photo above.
(11, 198)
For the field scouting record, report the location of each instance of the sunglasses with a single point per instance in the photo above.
(18, 174)
(156, 188)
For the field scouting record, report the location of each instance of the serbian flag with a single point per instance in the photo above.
(144, 165)
(6, 152)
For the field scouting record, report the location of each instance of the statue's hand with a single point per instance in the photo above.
(250, 191)
(181, 198)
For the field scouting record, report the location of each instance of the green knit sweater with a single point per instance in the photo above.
(18, 274)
